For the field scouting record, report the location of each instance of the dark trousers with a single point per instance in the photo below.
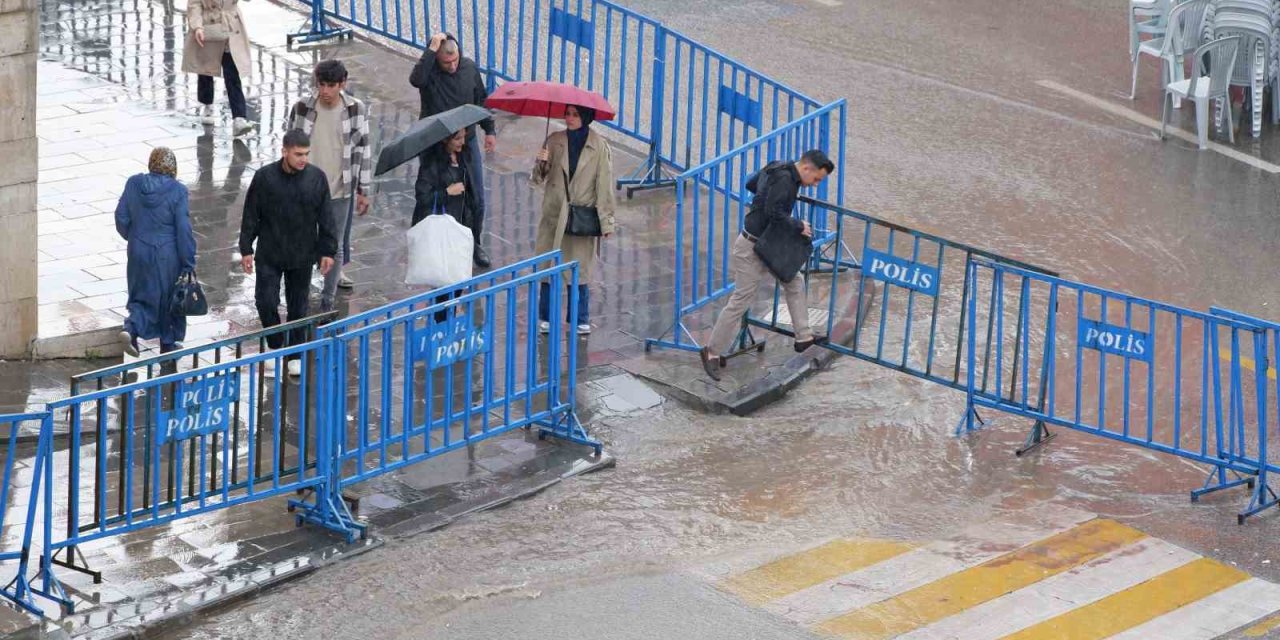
(230, 77)
(584, 304)
(476, 165)
(297, 292)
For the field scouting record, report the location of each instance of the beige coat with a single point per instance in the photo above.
(207, 60)
(592, 185)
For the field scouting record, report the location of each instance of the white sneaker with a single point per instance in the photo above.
(241, 127)
(544, 326)
(295, 368)
(269, 368)
(584, 329)
(206, 115)
(346, 283)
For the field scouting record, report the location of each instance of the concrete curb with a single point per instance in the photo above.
(182, 608)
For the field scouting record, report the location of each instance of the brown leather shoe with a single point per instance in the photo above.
(710, 364)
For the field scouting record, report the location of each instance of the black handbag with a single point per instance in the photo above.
(783, 249)
(583, 221)
(188, 297)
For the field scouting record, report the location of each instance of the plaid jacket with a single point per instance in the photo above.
(356, 151)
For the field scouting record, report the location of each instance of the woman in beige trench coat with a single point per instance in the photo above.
(218, 46)
(581, 158)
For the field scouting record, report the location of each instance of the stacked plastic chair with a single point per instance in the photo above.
(1146, 18)
(1254, 22)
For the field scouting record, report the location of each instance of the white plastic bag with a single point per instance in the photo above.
(440, 252)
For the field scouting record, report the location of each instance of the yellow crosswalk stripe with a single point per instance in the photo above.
(959, 591)
(1261, 628)
(1137, 604)
(811, 567)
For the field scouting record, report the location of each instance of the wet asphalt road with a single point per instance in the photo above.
(950, 131)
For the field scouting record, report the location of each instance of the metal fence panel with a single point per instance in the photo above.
(465, 369)
(1121, 367)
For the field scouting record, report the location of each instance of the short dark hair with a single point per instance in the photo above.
(295, 138)
(817, 158)
(331, 72)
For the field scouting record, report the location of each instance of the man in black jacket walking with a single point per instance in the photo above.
(287, 212)
(776, 187)
(446, 80)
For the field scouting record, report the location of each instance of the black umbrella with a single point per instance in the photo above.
(426, 132)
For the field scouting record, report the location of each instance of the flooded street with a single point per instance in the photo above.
(853, 452)
(1001, 124)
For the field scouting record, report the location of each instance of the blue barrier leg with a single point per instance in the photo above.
(970, 410)
(564, 424)
(1263, 496)
(1218, 480)
(320, 28)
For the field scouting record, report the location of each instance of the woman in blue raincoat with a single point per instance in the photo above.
(153, 217)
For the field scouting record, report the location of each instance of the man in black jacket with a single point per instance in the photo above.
(776, 187)
(446, 80)
(287, 212)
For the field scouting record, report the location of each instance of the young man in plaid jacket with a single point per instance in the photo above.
(338, 124)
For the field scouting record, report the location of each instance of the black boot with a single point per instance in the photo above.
(479, 256)
(710, 363)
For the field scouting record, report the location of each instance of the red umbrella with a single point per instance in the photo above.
(547, 99)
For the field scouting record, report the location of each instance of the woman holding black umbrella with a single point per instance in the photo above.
(444, 183)
(575, 169)
(444, 187)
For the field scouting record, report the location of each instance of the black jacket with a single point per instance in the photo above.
(434, 178)
(439, 91)
(288, 215)
(776, 187)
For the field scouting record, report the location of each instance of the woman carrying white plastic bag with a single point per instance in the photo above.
(440, 246)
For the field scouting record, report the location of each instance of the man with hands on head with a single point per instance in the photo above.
(446, 80)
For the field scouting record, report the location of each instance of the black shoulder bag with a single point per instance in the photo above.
(583, 221)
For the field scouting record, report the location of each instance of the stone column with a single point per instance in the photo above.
(18, 170)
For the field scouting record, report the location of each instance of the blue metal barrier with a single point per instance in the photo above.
(687, 102)
(1262, 364)
(458, 372)
(17, 546)
(922, 293)
(711, 202)
(187, 444)
(468, 366)
(1120, 367)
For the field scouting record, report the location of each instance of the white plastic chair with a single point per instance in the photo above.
(1146, 17)
(1182, 35)
(1200, 89)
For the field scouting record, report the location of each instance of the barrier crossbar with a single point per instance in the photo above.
(458, 372)
(227, 349)
(1133, 370)
(428, 298)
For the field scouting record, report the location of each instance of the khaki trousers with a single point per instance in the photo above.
(748, 272)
